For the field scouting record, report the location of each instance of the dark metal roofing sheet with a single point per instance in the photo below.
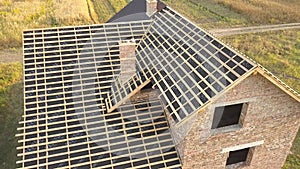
(134, 11)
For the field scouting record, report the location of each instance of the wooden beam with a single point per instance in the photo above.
(279, 83)
(128, 96)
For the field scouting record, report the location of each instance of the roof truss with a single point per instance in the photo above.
(68, 74)
(188, 65)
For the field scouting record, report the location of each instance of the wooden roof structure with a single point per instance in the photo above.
(68, 73)
(76, 109)
(188, 65)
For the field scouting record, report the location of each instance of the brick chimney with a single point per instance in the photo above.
(151, 7)
(127, 59)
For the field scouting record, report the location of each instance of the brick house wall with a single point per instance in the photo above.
(269, 125)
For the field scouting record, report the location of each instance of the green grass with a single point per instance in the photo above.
(11, 109)
(118, 4)
(264, 12)
(278, 51)
(15, 16)
(233, 13)
(206, 13)
(293, 160)
(107, 8)
(104, 10)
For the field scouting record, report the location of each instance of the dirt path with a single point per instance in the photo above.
(7, 56)
(253, 29)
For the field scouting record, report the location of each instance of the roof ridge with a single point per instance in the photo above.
(293, 93)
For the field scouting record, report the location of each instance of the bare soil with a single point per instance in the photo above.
(7, 56)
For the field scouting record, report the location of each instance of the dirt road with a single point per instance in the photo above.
(7, 56)
(253, 29)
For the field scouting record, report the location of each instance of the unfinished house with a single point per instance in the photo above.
(149, 89)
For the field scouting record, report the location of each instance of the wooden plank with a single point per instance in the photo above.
(280, 84)
(132, 93)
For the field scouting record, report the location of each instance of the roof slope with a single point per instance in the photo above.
(189, 66)
(68, 74)
(134, 11)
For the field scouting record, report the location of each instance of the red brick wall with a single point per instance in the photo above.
(272, 116)
(127, 60)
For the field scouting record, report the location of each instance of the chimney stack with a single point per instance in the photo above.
(151, 7)
(127, 59)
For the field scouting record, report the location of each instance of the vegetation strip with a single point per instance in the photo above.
(92, 12)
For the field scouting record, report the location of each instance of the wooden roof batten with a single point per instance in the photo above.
(68, 73)
(173, 53)
(168, 11)
(130, 87)
(260, 68)
(202, 108)
(175, 49)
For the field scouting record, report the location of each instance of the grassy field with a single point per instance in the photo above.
(232, 13)
(11, 109)
(18, 15)
(71, 12)
(293, 160)
(15, 16)
(107, 8)
(278, 51)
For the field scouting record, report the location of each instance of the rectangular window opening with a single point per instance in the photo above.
(227, 115)
(238, 157)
